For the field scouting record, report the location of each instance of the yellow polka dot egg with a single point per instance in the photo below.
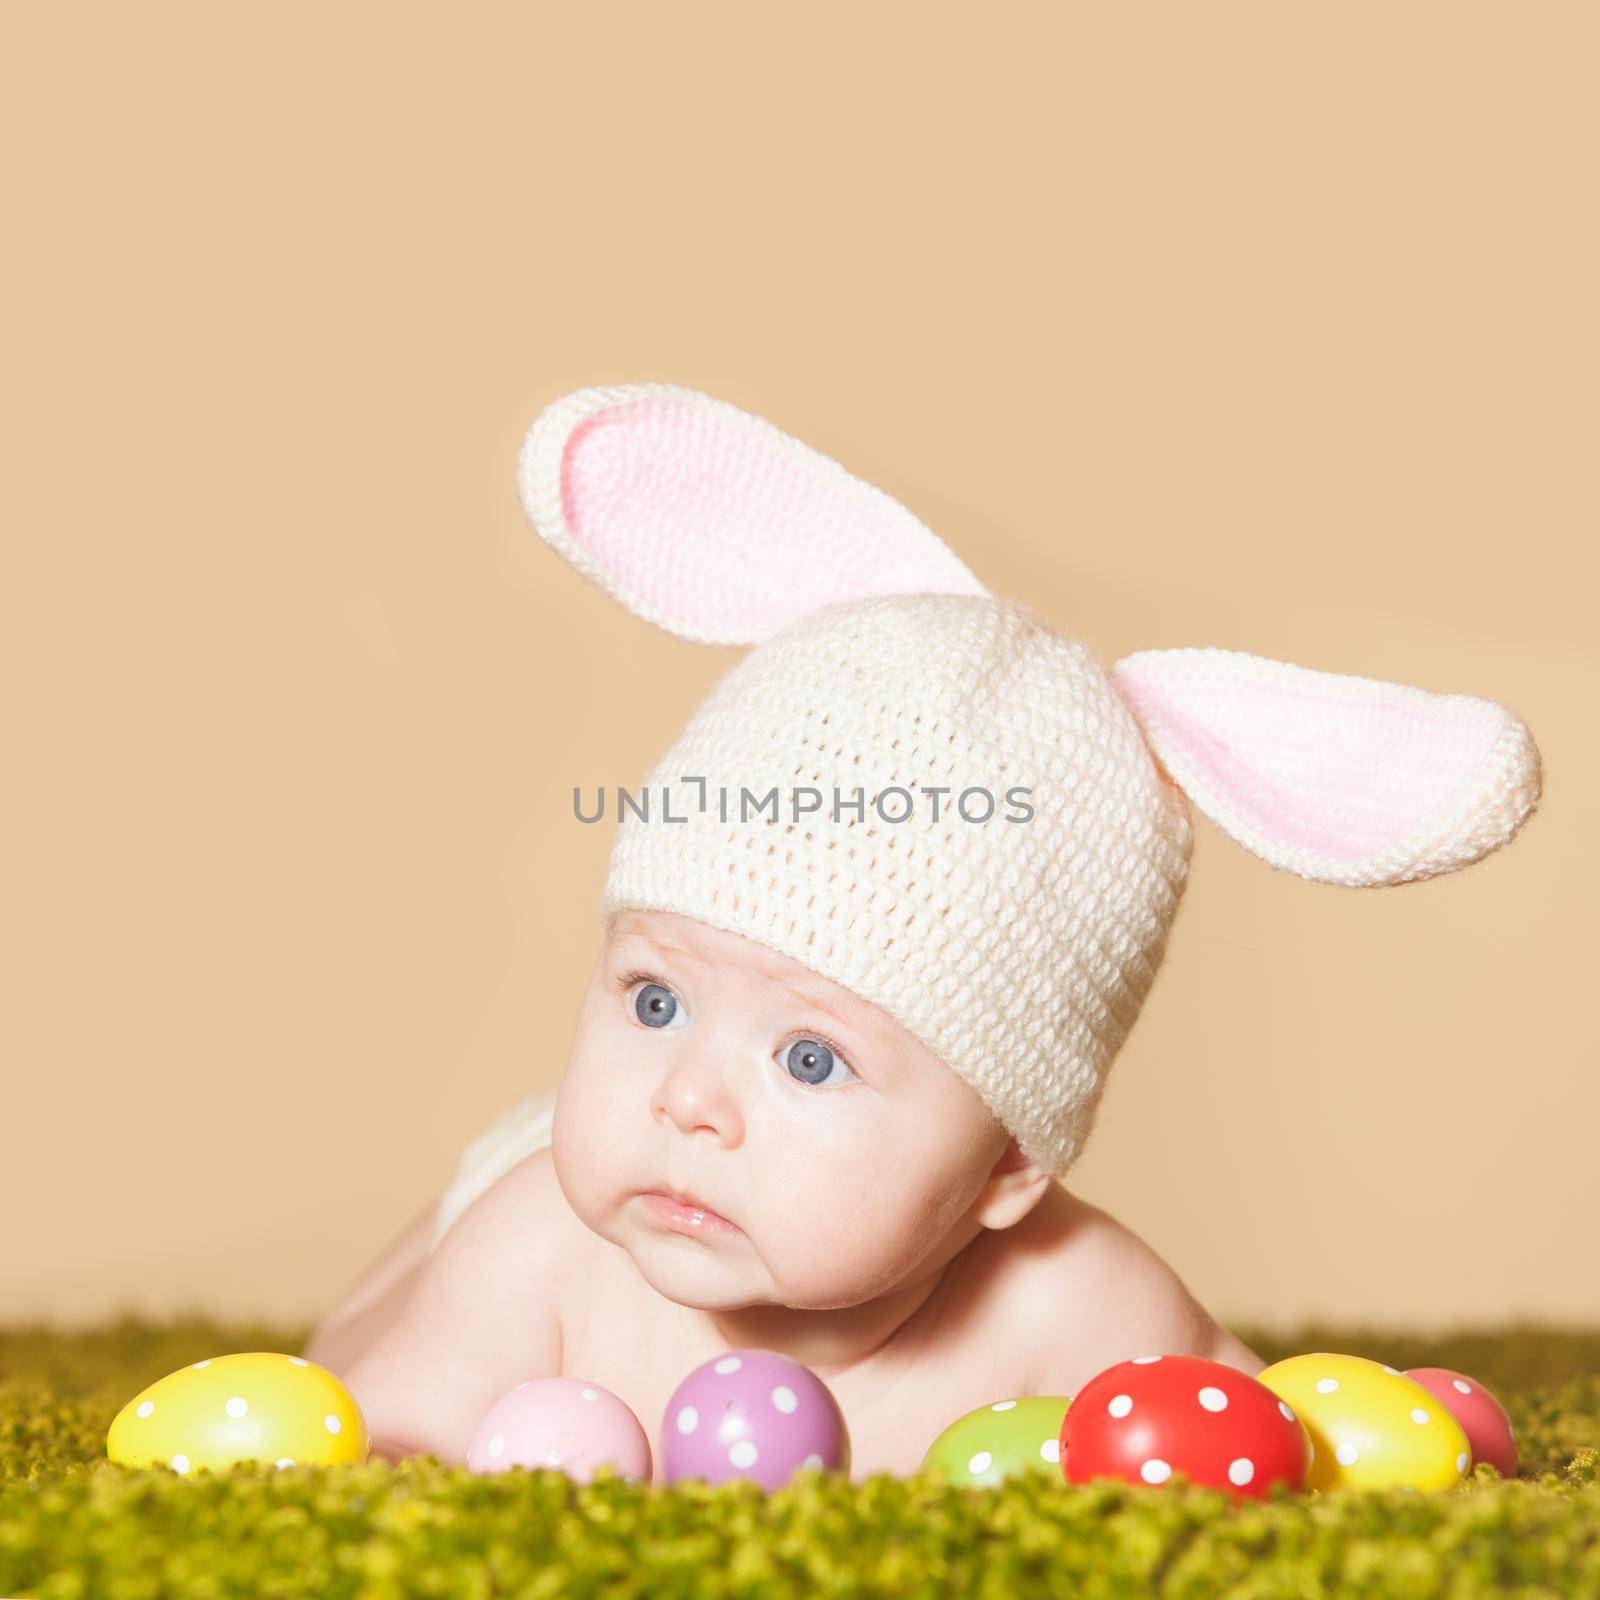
(282, 1410)
(1371, 1426)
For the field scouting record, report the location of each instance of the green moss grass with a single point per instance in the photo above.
(72, 1524)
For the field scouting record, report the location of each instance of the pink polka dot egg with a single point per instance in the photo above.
(752, 1414)
(564, 1423)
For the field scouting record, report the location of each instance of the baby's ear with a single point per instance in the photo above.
(1340, 779)
(1011, 1160)
(710, 522)
(1014, 1187)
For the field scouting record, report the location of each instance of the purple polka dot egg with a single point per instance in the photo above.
(565, 1423)
(752, 1414)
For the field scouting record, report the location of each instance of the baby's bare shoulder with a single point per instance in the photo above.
(1091, 1292)
(483, 1315)
(519, 1247)
(522, 1218)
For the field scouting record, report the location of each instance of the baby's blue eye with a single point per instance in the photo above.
(657, 1007)
(808, 1060)
(811, 1061)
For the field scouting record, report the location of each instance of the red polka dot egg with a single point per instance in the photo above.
(1153, 1417)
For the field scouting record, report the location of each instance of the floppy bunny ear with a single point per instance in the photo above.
(1340, 779)
(710, 522)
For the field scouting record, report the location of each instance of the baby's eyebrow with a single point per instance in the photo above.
(859, 1020)
(858, 1024)
(821, 1003)
(655, 942)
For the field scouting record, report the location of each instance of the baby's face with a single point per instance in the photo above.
(844, 1151)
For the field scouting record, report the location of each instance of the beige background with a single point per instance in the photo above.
(1264, 327)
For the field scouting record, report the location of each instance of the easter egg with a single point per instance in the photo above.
(256, 1406)
(752, 1414)
(998, 1441)
(1490, 1436)
(1146, 1419)
(566, 1423)
(1372, 1426)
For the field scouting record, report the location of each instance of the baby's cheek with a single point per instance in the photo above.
(841, 1239)
(583, 1166)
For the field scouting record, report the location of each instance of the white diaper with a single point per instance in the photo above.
(514, 1135)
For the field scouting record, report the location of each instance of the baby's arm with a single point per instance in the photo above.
(480, 1318)
(375, 1301)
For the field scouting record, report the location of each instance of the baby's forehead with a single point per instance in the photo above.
(712, 950)
(699, 943)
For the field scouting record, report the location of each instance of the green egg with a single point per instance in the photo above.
(1000, 1441)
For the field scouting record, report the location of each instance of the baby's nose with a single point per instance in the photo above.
(695, 1098)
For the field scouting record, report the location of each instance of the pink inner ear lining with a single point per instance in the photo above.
(711, 519)
(1343, 775)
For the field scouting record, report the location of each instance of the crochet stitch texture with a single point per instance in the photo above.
(1018, 951)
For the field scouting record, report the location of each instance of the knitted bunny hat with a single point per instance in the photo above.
(1016, 944)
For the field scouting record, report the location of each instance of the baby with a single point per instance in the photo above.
(871, 938)
(852, 1204)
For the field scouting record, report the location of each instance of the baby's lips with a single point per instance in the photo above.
(665, 1203)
